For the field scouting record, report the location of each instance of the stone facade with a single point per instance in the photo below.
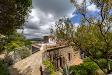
(60, 56)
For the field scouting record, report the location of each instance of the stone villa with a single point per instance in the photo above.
(58, 54)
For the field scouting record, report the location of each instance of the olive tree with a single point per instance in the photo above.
(13, 14)
(94, 37)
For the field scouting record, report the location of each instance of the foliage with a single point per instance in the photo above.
(49, 66)
(3, 68)
(24, 52)
(66, 70)
(27, 42)
(15, 42)
(86, 68)
(92, 43)
(64, 29)
(13, 14)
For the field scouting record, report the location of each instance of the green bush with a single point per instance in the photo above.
(102, 62)
(86, 68)
(24, 52)
(3, 69)
(49, 66)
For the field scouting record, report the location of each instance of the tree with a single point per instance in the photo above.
(97, 32)
(93, 45)
(94, 35)
(64, 29)
(13, 14)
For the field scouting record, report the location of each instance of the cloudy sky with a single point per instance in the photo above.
(46, 12)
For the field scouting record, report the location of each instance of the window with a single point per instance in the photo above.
(69, 56)
(61, 62)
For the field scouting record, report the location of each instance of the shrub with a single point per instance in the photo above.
(24, 52)
(86, 68)
(3, 68)
(49, 66)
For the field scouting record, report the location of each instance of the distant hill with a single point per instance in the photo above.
(36, 39)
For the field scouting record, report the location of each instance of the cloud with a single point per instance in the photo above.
(38, 24)
(34, 33)
(92, 8)
(76, 24)
(56, 7)
(44, 14)
(80, 2)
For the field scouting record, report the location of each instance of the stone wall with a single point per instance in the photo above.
(29, 66)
